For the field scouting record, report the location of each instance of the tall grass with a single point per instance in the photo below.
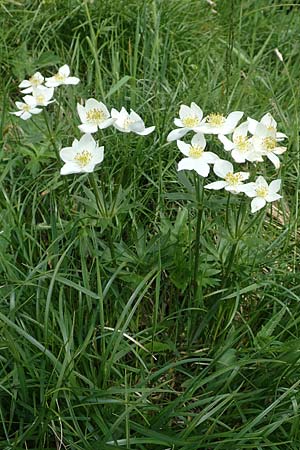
(168, 320)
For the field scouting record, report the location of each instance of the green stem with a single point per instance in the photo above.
(199, 198)
(101, 209)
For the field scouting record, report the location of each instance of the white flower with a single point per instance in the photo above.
(82, 156)
(196, 158)
(61, 77)
(127, 122)
(232, 181)
(216, 123)
(261, 192)
(93, 115)
(36, 80)
(42, 95)
(241, 146)
(190, 119)
(270, 123)
(264, 142)
(26, 109)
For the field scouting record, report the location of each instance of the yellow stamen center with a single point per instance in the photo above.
(270, 128)
(34, 81)
(95, 115)
(216, 120)
(190, 122)
(83, 158)
(59, 77)
(40, 99)
(261, 191)
(196, 151)
(242, 143)
(127, 123)
(233, 179)
(269, 143)
(26, 108)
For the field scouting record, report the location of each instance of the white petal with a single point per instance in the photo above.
(252, 125)
(71, 80)
(199, 139)
(186, 164)
(88, 128)
(257, 203)
(27, 91)
(64, 70)
(273, 197)
(24, 84)
(216, 185)
(98, 155)
(26, 115)
(134, 116)
(174, 135)
(209, 157)
(183, 147)
(274, 159)
(67, 154)
(81, 112)
(178, 123)
(195, 108)
(268, 121)
(184, 111)
(280, 136)
(241, 130)
(30, 100)
(52, 83)
(69, 168)
(232, 119)
(20, 105)
(87, 142)
(16, 113)
(114, 113)
(201, 167)
(106, 123)
(238, 156)
(228, 145)
(249, 189)
(274, 186)
(244, 175)
(260, 181)
(146, 131)
(35, 110)
(222, 167)
(279, 150)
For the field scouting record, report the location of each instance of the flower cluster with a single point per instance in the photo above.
(248, 142)
(94, 115)
(40, 94)
(84, 154)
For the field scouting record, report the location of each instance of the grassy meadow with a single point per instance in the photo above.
(139, 310)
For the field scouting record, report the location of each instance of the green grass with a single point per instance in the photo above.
(155, 321)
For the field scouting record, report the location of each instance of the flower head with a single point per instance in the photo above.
(264, 141)
(216, 123)
(232, 181)
(93, 115)
(61, 77)
(196, 158)
(82, 156)
(42, 95)
(241, 146)
(36, 80)
(190, 118)
(268, 121)
(261, 192)
(26, 108)
(130, 122)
